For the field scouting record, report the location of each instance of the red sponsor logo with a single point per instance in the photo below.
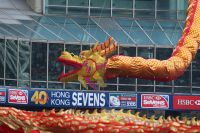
(2, 93)
(154, 101)
(186, 102)
(18, 96)
(127, 98)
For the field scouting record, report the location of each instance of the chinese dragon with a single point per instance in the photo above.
(91, 66)
(19, 121)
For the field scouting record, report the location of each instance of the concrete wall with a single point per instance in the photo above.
(36, 5)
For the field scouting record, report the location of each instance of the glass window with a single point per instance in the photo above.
(144, 14)
(145, 89)
(24, 60)
(55, 68)
(183, 80)
(122, 4)
(122, 13)
(181, 90)
(126, 88)
(166, 5)
(55, 85)
(75, 49)
(109, 88)
(182, 4)
(146, 53)
(182, 16)
(11, 59)
(139, 37)
(163, 54)
(24, 84)
(77, 11)
(72, 86)
(55, 2)
(11, 83)
(55, 10)
(99, 3)
(128, 51)
(77, 2)
(166, 15)
(2, 44)
(195, 90)
(1, 82)
(39, 62)
(162, 89)
(100, 12)
(147, 4)
(38, 85)
(196, 70)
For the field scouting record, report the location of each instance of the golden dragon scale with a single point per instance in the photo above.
(18, 121)
(166, 70)
(91, 66)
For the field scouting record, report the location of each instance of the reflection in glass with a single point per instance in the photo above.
(75, 49)
(77, 2)
(77, 11)
(72, 86)
(183, 80)
(145, 89)
(144, 14)
(109, 88)
(122, 4)
(55, 85)
(1, 82)
(195, 90)
(24, 60)
(127, 51)
(38, 85)
(11, 83)
(182, 16)
(166, 5)
(55, 2)
(196, 70)
(25, 84)
(99, 3)
(126, 88)
(55, 10)
(163, 89)
(182, 4)
(11, 59)
(148, 4)
(163, 54)
(146, 53)
(181, 90)
(100, 12)
(55, 68)
(166, 15)
(2, 58)
(39, 61)
(122, 13)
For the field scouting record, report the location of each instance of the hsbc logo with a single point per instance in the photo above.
(188, 102)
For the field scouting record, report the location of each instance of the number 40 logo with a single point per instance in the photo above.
(40, 97)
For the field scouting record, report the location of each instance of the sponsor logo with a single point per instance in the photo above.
(186, 102)
(18, 96)
(154, 101)
(88, 99)
(40, 97)
(2, 95)
(122, 100)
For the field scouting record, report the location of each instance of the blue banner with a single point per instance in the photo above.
(91, 99)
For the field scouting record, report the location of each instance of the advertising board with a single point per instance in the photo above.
(186, 102)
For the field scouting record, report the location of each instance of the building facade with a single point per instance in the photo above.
(31, 42)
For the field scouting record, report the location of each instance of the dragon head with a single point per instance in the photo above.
(89, 65)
